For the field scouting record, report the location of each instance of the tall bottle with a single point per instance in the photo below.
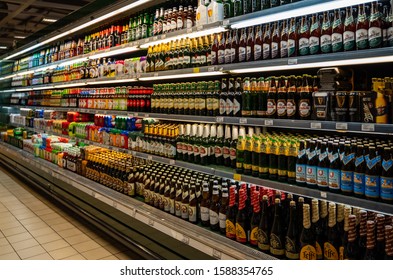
(284, 39)
(301, 164)
(248, 148)
(337, 32)
(229, 102)
(305, 99)
(312, 162)
(205, 205)
(271, 99)
(349, 38)
(227, 146)
(326, 34)
(218, 149)
(228, 48)
(347, 169)
(307, 237)
(277, 240)
(258, 43)
(243, 45)
(323, 168)
(214, 50)
(318, 229)
(371, 178)
(255, 218)
(370, 253)
(233, 147)
(281, 98)
(275, 42)
(332, 243)
(223, 96)
(264, 227)
(242, 220)
(221, 49)
(293, 44)
(362, 26)
(386, 179)
(375, 27)
(204, 149)
(214, 208)
(222, 214)
(304, 37)
(266, 46)
(292, 237)
(237, 100)
(240, 147)
(335, 170)
(315, 35)
(230, 231)
(250, 44)
(359, 170)
(235, 47)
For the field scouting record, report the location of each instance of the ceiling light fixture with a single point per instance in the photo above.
(19, 37)
(50, 20)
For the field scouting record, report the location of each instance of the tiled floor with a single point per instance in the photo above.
(32, 227)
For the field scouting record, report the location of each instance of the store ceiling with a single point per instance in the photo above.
(23, 18)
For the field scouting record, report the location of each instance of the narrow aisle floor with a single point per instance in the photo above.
(32, 227)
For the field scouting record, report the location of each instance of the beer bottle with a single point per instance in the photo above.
(370, 253)
(349, 31)
(235, 47)
(311, 167)
(275, 42)
(362, 233)
(240, 147)
(389, 242)
(258, 43)
(223, 97)
(277, 241)
(191, 142)
(344, 231)
(212, 143)
(253, 97)
(292, 38)
(307, 237)
(250, 44)
(221, 49)
(362, 27)
(326, 34)
(271, 99)
(292, 236)
(291, 160)
(233, 146)
(192, 206)
(226, 146)
(334, 170)
(387, 176)
(223, 203)
(281, 98)
(214, 208)
(266, 52)
(371, 178)
(238, 8)
(331, 245)
(317, 229)
(248, 148)
(178, 199)
(237, 100)
(284, 39)
(192, 98)
(359, 170)
(242, 220)
(323, 168)
(380, 233)
(273, 159)
(264, 227)
(197, 144)
(375, 27)
(263, 85)
(205, 205)
(256, 150)
(291, 109)
(229, 101)
(347, 169)
(204, 148)
(282, 162)
(218, 149)
(255, 218)
(246, 97)
(337, 32)
(209, 98)
(315, 35)
(231, 214)
(301, 164)
(228, 9)
(263, 162)
(242, 45)
(202, 100)
(305, 99)
(352, 246)
(304, 37)
(185, 201)
(228, 50)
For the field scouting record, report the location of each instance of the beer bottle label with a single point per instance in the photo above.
(184, 210)
(242, 54)
(304, 46)
(359, 160)
(346, 181)
(311, 175)
(222, 106)
(241, 235)
(291, 108)
(290, 249)
(375, 37)
(318, 249)
(326, 43)
(386, 188)
(322, 177)
(227, 55)
(349, 40)
(236, 107)
(271, 107)
(291, 47)
(308, 252)
(372, 187)
(229, 107)
(257, 52)
(314, 44)
(274, 48)
(248, 53)
(361, 38)
(230, 229)
(226, 152)
(334, 179)
(222, 220)
(358, 183)
(283, 49)
(330, 252)
(304, 108)
(205, 214)
(266, 51)
(300, 173)
(254, 236)
(192, 213)
(390, 36)
(281, 107)
(203, 151)
(372, 162)
(232, 153)
(221, 56)
(337, 42)
(263, 240)
(276, 248)
(172, 206)
(213, 215)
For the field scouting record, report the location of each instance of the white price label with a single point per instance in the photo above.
(210, 69)
(189, 30)
(114, 204)
(268, 122)
(110, 148)
(136, 114)
(155, 74)
(225, 22)
(292, 61)
(155, 38)
(217, 254)
(242, 120)
(368, 127)
(316, 125)
(151, 223)
(163, 36)
(199, 28)
(147, 40)
(185, 239)
(341, 126)
(93, 194)
(133, 212)
(96, 112)
(172, 162)
(324, 194)
(220, 119)
(150, 157)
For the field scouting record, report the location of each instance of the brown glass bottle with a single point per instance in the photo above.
(221, 49)
(375, 27)
(264, 227)
(214, 208)
(243, 46)
(292, 237)
(282, 98)
(235, 47)
(307, 237)
(332, 243)
(242, 219)
(250, 44)
(228, 51)
(337, 32)
(271, 99)
(292, 38)
(205, 205)
(224, 202)
(349, 43)
(362, 26)
(214, 50)
(305, 99)
(284, 39)
(185, 200)
(267, 41)
(304, 37)
(258, 43)
(275, 42)
(315, 35)
(230, 222)
(178, 199)
(326, 34)
(255, 218)
(277, 240)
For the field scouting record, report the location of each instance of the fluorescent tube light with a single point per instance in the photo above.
(19, 37)
(49, 67)
(80, 27)
(112, 81)
(23, 89)
(70, 85)
(189, 35)
(8, 90)
(25, 72)
(8, 77)
(72, 61)
(114, 52)
(189, 75)
(312, 9)
(42, 88)
(3, 47)
(320, 64)
(51, 20)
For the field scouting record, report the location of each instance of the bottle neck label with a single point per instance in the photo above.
(387, 164)
(308, 252)
(346, 159)
(330, 252)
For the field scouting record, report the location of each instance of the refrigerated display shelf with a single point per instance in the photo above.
(225, 172)
(349, 127)
(210, 243)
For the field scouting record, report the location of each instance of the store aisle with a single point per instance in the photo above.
(31, 227)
